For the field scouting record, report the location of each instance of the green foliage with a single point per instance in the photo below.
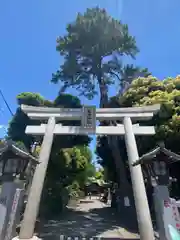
(90, 171)
(70, 156)
(148, 91)
(99, 174)
(144, 92)
(130, 72)
(97, 179)
(18, 123)
(33, 99)
(17, 126)
(67, 101)
(90, 39)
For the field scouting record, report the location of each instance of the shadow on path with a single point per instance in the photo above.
(78, 223)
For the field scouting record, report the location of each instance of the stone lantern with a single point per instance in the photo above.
(14, 161)
(156, 165)
(15, 167)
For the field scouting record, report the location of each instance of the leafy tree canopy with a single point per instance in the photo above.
(144, 92)
(150, 90)
(91, 50)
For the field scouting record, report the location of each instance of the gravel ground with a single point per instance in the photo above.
(91, 219)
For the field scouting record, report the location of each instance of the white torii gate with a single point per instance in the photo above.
(88, 116)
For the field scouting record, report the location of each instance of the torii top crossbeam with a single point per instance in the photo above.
(101, 113)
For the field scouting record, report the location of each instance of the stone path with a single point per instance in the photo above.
(91, 219)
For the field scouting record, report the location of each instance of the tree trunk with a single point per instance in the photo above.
(113, 140)
(125, 189)
(103, 95)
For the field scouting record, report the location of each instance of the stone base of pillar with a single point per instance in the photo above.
(33, 238)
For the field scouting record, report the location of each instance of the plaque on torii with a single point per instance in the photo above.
(88, 120)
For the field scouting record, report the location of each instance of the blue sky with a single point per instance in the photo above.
(28, 38)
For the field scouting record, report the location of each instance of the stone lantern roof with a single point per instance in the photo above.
(151, 156)
(11, 147)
